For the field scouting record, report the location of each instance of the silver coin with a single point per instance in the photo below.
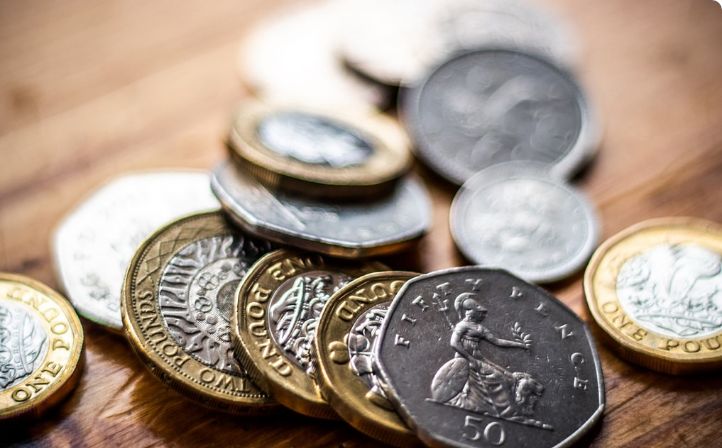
(344, 229)
(475, 357)
(490, 106)
(94, 243)
(518, 217)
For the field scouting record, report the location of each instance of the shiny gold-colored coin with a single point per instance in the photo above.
(275, 314)
(318, 154)
(41, 344)
(176, 306)
(344, 346)
(656, 291)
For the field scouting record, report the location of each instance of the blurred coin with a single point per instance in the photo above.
(94, 243)
(338, 228)
(177, 303)
(490, 106)
(41, 346)
(290, 58)
(318, 154)
(275, 315)
(475, 357)
(396, 42)
(656, 291)
(345, 339)
(518, 217)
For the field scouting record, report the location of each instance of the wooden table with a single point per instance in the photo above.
(92, 89)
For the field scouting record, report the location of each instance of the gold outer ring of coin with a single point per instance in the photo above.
(256, 347)
(59, 371)
(344, 390)
(149, 336)
(390, 160)
(633, 341)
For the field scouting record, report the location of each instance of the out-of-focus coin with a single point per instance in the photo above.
(490, 106)
(314, 153)
(518, 217)
(656, 291)
(177, 303)
(476, 357)
(345, 229)
(396, 42)
(41, 346)
(94, 243)
(290, 58)
(275, 315)
(345, 338)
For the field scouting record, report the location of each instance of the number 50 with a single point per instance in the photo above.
(475, 429)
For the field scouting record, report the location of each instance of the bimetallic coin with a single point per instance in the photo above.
(318, 154)
(275, 316)
(94, 243)
(345, 338)
(41, 347)
(518, 217)
(475, 357)
(656, 291)
(489, 106)
(337, 228)
(177, 302)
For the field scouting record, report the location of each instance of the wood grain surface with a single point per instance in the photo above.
(90, 89)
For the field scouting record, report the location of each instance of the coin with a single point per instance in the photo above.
(477, 357)
(655, 289)
(337, 228)
(518, 217)
(396, 42)
(41, 345)
(315, 153)
(275, 314)
(345, 338)
(94, 243)
(489, 106)
(290, 58)
(177, 302)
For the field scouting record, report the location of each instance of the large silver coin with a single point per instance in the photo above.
(518, 217)
(475, 357)
(93, 245)
(395, 42)
(490, 106)
(343, 229)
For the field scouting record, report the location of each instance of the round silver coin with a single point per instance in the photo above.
(490, 106)
(343, 229)
(94, 243)
(518, 217)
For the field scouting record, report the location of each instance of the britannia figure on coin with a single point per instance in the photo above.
(473, 382)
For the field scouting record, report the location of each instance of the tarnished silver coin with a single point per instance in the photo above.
(94, 243)
(338, 228)
(475, 357)
(490, 106)
(518, 217)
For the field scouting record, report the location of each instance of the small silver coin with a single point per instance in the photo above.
(518, 217)
(94, 243)
(343, 229)
(490, 106)
(475, 357)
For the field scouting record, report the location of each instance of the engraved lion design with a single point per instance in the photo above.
(23, 343)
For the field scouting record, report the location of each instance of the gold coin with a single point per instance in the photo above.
(41, 344)
(176, 306)
(275, 315)
(314, 153)
(656, 291)
(345, 340)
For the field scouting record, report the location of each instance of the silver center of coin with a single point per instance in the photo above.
(673, 289)
(314, 140)
(23, 344)
(295, 307)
